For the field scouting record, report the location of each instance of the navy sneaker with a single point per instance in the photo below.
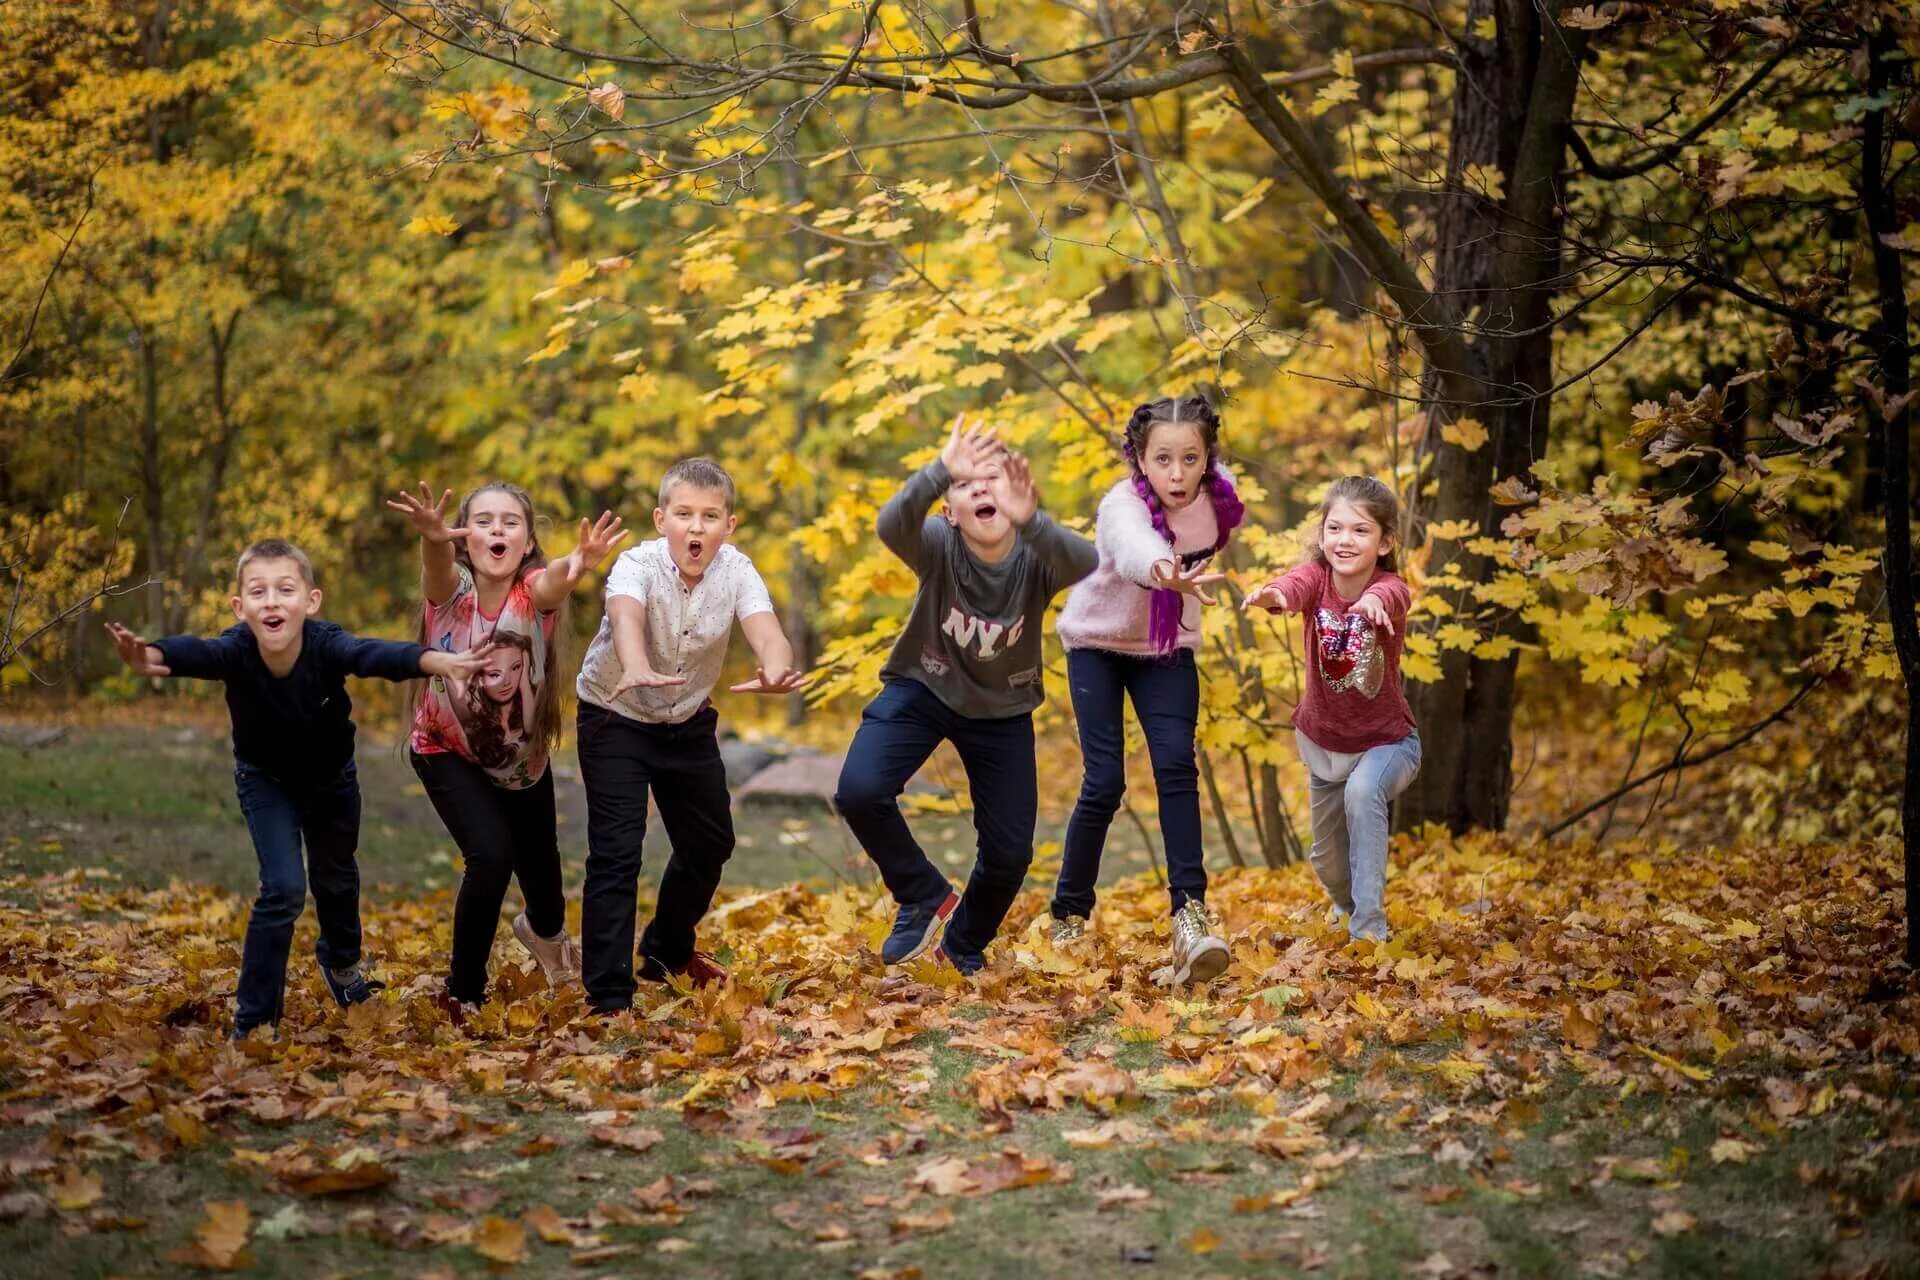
(967, 966)
(916, 928)
(350, 986)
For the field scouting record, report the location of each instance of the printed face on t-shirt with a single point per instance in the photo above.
(500, 678)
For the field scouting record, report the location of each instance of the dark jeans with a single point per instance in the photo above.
(503, 834)
(621, 760)
(1166, 698)
(898, 731)
(278, 814)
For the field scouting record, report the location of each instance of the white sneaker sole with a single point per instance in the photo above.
(935, 929)
(1208, 961)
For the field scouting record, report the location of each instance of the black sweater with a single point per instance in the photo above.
(297, 727)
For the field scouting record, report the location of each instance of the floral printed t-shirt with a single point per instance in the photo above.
(488, 719)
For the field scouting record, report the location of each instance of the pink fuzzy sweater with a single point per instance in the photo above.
(1107, 609)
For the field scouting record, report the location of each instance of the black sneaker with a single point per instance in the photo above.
(916, 927)
(354, 988)
(965, 966)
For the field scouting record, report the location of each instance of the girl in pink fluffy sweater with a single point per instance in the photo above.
(1130, 630)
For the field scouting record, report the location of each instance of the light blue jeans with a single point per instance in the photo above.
(1353, 795)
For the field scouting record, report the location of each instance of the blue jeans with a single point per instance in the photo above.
(1352, 796)
(1166, 698)
(898, 731)
(278, 814)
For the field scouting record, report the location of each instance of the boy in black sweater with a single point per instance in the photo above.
(285, 675)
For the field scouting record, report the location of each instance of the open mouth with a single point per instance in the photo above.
(694, 547)
(1178, 495)
(985, 512)
(274, 625)
(498, 550)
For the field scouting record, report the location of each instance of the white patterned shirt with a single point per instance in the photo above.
(687, 630)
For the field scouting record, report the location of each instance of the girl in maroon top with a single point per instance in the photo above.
(1353, 726)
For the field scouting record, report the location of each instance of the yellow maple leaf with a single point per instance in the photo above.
(1468, 433)
(431, 224)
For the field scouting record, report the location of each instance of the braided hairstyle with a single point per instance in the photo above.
(1165, 608)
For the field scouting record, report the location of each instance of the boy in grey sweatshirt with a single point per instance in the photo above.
(966, 669)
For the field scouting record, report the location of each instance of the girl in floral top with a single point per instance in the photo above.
(480, 745)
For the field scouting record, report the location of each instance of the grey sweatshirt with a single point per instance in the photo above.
(973, 637)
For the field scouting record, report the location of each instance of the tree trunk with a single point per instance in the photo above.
(1500, 263)
(1893, 412)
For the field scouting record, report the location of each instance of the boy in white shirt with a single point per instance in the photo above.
(646, 722)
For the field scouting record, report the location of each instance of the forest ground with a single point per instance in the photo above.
(1637, 1060)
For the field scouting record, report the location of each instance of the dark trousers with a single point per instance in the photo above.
(503, 834)
(898, 731)
(327, 814)
(1166, 698)
(621, 760)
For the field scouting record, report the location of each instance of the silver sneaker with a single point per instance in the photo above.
(1068, 931)
(1199, 954)
(557, 957)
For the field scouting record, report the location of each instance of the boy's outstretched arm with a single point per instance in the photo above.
(189, 657)
(399, 660)
(774, 653)
(629, 617)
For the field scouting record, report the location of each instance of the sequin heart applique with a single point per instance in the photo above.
(1350, 656)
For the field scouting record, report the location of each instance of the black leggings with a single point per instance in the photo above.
(502, 834)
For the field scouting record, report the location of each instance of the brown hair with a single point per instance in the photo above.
(273, 549)
(701, 473)
(547, 719)
(1372, 497)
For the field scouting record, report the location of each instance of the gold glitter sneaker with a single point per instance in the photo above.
(1199, 954)
(1069, 930)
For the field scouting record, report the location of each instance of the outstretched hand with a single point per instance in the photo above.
(465, 665)
(596, 540)
(1374, 610)
(1192, 582)
(645, 679)
(787, 680)
(970, 448)
(428, 518)
(1018, 499)
(136, 653)
(1269, 597)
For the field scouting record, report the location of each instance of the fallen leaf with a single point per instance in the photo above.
(1731, 1151)
(220, 1238)
(1673, 1222)
(939, 1220)
(634, 1138)
(501, 1240)
(75, 1189)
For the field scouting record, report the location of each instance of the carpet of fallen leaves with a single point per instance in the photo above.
(1517, 971)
